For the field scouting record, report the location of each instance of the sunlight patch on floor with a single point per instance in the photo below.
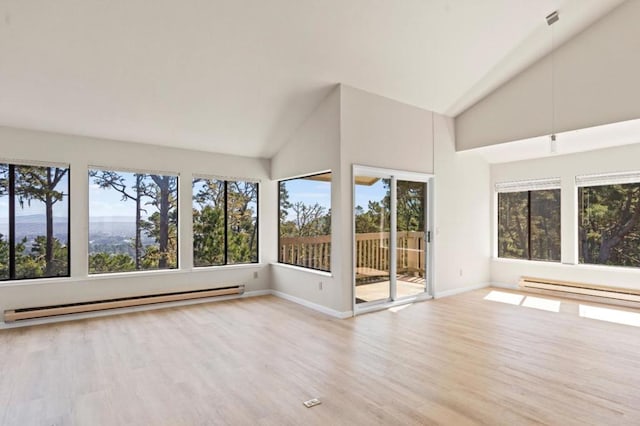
(610, 315)
(542, 304)
(399, 308)
(503, 297)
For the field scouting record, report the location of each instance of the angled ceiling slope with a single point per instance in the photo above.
(239, 77)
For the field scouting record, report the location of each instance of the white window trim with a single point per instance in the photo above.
(602, 179)
(528, 185)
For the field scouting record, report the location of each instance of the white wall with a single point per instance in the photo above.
(314, 147)
(596, 82)
(356, 127)
(377, 132)
(80, 153)
(462, 234)
(567, 167)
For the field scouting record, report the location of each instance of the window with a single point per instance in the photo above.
(34, 221)
(529, 222)
(225, 222)
(305, 222)
(609, 224)
(133, 221)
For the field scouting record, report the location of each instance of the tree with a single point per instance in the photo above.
(158, 191)
(105, 262)
(108, 179)
(164, 196)
(609, 229)
(41, 183)
(4, 258)
(242, 198)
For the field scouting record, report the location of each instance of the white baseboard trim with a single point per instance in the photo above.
(119, 311)
(256, 293)
(454, 291)
(311, 305)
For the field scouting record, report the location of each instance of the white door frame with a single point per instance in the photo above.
(394, 176)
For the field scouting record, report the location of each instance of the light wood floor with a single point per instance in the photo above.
(459, 360)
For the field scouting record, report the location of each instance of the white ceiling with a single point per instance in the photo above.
(239, 76)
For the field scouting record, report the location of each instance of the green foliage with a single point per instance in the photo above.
(4, 258)
(144, 190)
(209, 222)
(105, 262)
(242, 244)
(609, 224)
(515, 232)
(45, 256)
(306, 221)
(208, 236)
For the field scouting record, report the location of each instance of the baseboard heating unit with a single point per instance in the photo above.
(125, 302)
(590, 292)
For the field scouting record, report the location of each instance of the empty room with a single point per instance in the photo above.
(319, 212)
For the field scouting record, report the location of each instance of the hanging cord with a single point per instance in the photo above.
(553, 92)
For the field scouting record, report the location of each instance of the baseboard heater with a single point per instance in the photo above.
(125, 302)
(592, 292)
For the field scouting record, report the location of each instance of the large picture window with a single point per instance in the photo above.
(34, 221)
(609, 224)
(529, 225)
(133, 221)
(305, 222)
(225, 222)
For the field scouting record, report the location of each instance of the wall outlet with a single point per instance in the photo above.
(460, 272)
(255, 275)
(320, 286)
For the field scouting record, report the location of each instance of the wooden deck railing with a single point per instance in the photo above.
(311, 252)
(372, 253)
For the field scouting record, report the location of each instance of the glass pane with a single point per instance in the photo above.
(133, 221)
(411, 245)
(372, 221)
(242, 204)
(41, 221)
(208, 222)
(4, 222)
(305, 222)
(609, 224)
(513, 227)
(545, 225)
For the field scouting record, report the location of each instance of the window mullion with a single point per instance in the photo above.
(226, 222)
(12, 222)
(529, 223)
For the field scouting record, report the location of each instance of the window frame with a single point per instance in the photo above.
(93, 167)
(11, 238)
(279, 262)
(226, 180)
(599, 180)
(527, 186)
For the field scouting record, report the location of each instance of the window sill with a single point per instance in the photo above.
(530, 262)
(227, 267)
(110, 275)
(582, 266)
(38, 281)
(302, 269)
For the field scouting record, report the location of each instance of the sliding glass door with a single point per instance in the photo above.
(411, 230)
(391, 227)
(372, 229)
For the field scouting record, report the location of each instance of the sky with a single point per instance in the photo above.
(109, 203)
(365, 193)
(60, 208)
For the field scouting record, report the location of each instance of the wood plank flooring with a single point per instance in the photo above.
(461, 360)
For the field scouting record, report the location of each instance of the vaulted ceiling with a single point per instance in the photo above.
(238, 76)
